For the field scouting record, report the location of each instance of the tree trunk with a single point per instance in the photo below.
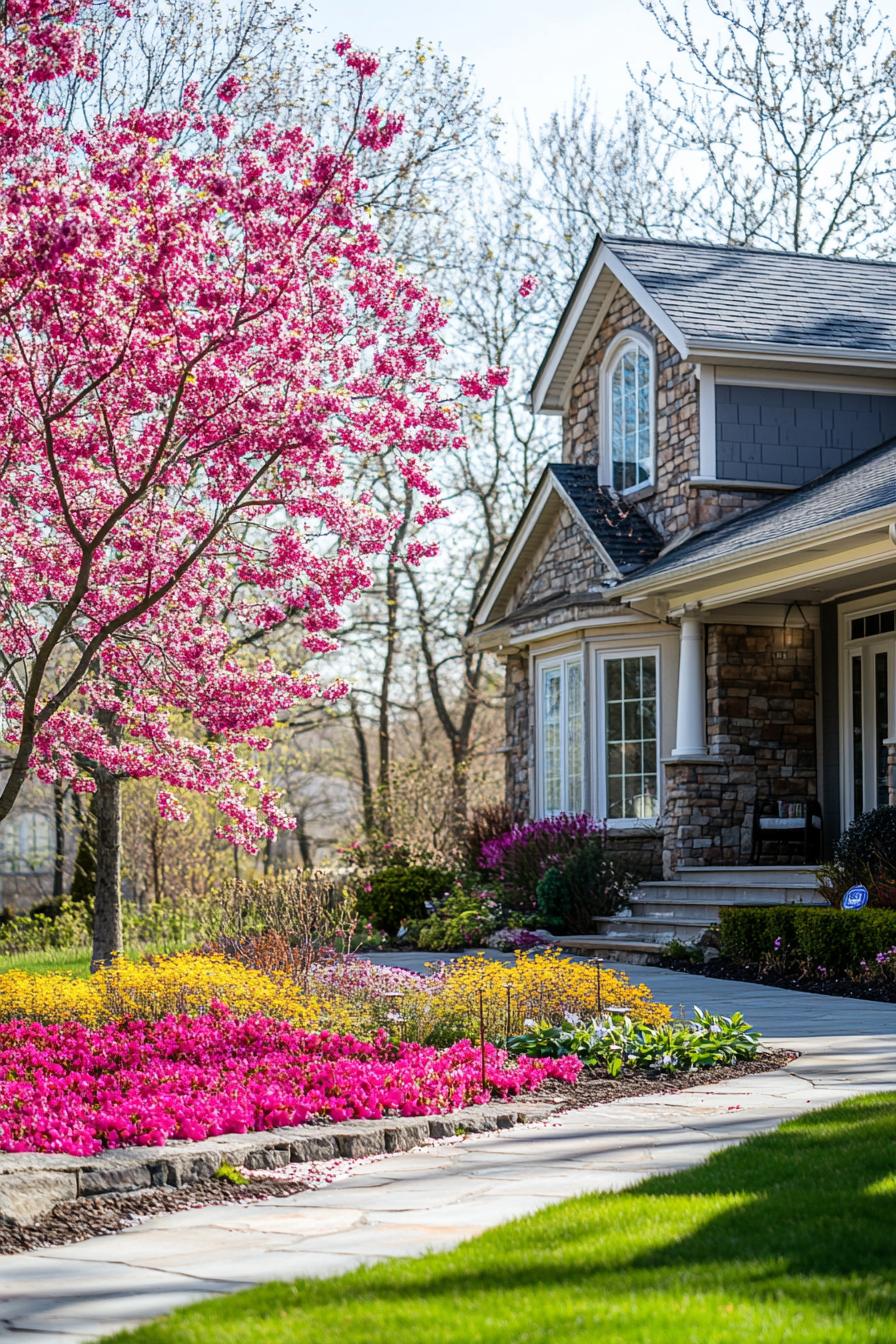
(59, 854)
(107, 930)
(364, 766)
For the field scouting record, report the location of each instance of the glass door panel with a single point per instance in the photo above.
(871, 696)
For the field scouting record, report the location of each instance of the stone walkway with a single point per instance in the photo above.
(433, 1198)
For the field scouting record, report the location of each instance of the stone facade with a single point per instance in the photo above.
(520, 737)
(567, 563)
(760, 727)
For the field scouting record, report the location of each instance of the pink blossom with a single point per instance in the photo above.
(528, 285)
(230, 88)
(73, 1089)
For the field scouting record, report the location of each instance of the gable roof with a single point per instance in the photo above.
(845, 495)
(620, 527)
(620, 533)
(712, 300)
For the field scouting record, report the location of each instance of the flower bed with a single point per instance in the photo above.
(69, 1088)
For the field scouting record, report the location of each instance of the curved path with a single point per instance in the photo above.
(434, 1197)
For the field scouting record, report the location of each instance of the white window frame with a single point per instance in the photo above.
(544, 665)
(599, 737)
(614, 353)
(865, 606)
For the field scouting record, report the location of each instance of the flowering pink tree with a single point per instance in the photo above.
(192, 346)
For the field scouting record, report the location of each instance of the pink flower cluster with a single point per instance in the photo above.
(75, 1089)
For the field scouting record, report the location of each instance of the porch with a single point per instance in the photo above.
(786, 691)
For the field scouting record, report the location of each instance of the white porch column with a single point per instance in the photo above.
(690, 732)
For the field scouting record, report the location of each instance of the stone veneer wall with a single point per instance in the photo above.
(519, 746)
(761, 709)
(567, 563)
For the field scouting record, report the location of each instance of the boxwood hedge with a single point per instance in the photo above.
(810, 936)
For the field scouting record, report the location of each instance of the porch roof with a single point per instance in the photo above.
(845, 504)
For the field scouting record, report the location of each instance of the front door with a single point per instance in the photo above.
(870, 685)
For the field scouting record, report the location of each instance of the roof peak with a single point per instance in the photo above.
(696, 244)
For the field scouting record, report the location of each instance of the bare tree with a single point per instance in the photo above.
(784, 123)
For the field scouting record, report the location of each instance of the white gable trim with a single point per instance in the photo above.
(515, 556)
(546, 395)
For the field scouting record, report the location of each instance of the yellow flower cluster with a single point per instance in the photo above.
(150, 989)
(543, 986)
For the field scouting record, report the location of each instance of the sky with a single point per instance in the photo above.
(528, 53)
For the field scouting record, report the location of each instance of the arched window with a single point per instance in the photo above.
(628, 415)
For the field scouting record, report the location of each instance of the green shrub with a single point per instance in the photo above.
(588, 885)
(394, 895)
(810, 936)
(866, 853)
(463, 919)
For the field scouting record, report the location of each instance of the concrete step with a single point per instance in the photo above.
(765, 874)
(655, 929)
(744, 893)
(633, 951)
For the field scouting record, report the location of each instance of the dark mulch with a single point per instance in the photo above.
(77, 1219)
(843, 987)
(593, 1088)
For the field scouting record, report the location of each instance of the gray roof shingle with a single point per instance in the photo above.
(867, 482)
(717, 293)
(621, 528)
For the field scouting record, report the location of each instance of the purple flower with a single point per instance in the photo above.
(777, 944)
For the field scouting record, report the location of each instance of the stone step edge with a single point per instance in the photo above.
(32, 1184)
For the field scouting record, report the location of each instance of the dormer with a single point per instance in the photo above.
(703, 380)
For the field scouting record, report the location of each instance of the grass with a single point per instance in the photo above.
(74, 960)
(789, 1238)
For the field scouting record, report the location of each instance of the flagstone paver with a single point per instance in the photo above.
(435, 1197)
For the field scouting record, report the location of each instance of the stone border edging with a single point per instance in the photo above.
(31, 1184)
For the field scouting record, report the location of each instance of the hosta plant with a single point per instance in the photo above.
(615, 1042)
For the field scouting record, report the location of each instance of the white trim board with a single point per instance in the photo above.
(603, 261)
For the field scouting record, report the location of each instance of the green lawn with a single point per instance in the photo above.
(74, 960)
(786, 1239)
(71, 959)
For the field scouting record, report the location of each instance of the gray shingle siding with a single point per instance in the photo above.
(789, 436)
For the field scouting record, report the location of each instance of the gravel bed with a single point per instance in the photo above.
(78, 1219)
(841, 987)
(593, 1088)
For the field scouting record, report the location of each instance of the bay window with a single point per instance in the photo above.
(562, 736)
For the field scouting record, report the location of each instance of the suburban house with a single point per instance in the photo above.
(697, 610)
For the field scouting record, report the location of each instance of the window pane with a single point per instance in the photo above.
(550, 758)
(630, 393)
(858, 792)
(882, 724)
(575, 739)
(616, 430)
(630, 750)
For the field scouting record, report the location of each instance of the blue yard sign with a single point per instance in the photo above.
(855, 898)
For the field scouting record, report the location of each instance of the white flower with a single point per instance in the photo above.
(715, 1029)
(573, 1019)
(530, 1022)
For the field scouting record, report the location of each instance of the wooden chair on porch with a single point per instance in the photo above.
(788, 829)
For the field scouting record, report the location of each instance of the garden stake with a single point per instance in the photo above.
(482, 1033)
(507, 1032)
(600, 1001)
